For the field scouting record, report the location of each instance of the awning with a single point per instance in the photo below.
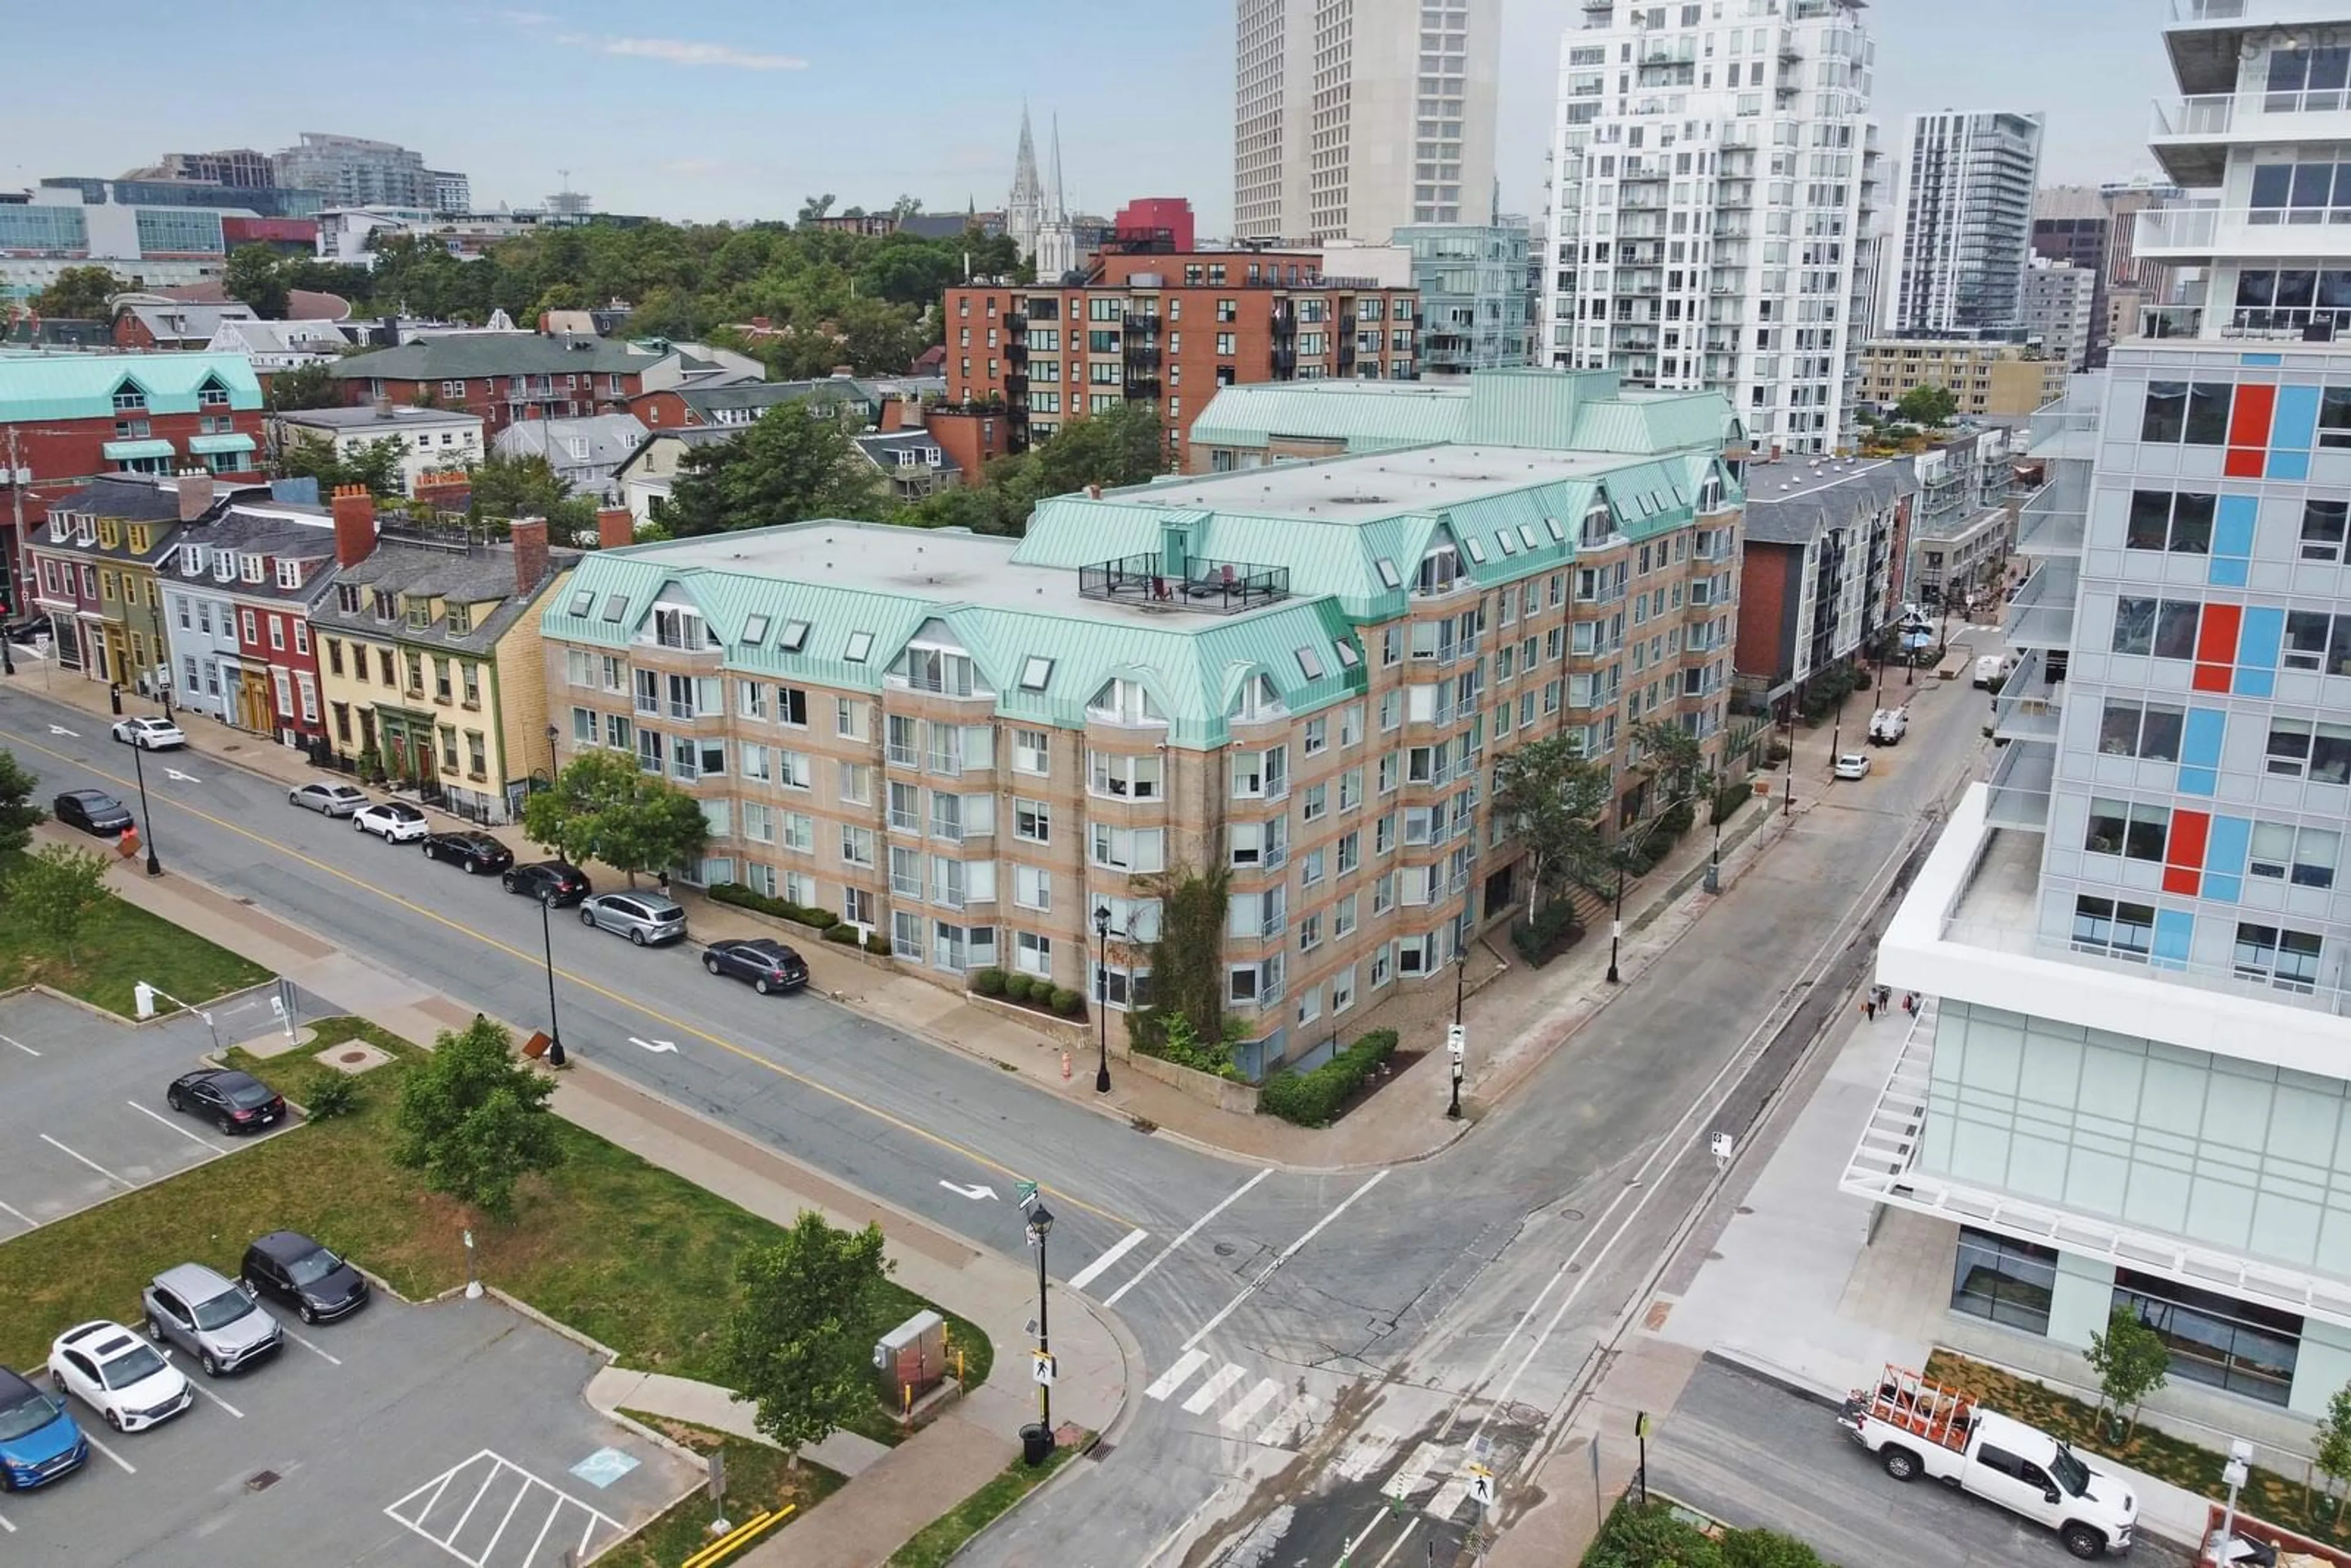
(201, 444)
(120, 449)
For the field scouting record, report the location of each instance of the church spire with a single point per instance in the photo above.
(1056, 209)
(1024, 210)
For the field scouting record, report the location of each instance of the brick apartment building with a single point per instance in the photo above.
(501, 376)
(1170, 329)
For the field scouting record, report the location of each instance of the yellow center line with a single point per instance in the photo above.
(680, 1025)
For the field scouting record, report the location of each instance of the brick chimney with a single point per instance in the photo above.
(196, 492)
(529, 553)
(614, 528)
(354, 511)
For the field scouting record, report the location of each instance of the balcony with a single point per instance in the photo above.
(1140, 388)
(2191, 136)
(1143, 355)
(1016, 386)
(2041, 616)
(1017, 352)
(2031, 705)
(1141, 321)
(2053, 520)
(1216, 587)
(2019, 786)
(2196, 231)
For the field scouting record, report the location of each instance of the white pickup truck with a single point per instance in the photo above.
(1916, 1427)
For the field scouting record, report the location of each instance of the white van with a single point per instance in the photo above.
(1887, 726)
(1992, 668)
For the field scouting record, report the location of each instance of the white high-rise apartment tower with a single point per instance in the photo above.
(1353, 118)
(1712, 177)
(1965, 204)
(2130, 1086)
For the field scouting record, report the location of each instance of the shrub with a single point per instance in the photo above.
(875, 943)
(1776, 754)
(988, 982)
(1673, 821)
(1552, 931)
(845, 934)
(1067, 1002)
(1728, 799)
(1017, 986)
(337, 1096)
(1312, 1099)
(742, 897)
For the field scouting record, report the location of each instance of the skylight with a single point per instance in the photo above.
(1310, 663)
(754, 631)
(1388, 572)
(616, 607)
(1476, 551)
(860, 644)
(1510, 546)
(1558, 530)
(1036, 673)
(581, 602)
(1527, 536)
(795, 636)
(1348, 657)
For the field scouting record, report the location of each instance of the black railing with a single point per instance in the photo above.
(1143, 321)
(1142, 386)
(1218, 587)
(1016, 351)
(1142, 354)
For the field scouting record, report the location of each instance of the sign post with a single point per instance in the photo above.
(718, 1483)
(1641, 1435)
(1457, 1046)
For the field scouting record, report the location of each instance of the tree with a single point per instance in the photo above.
(80, 294)
(253, 274)
(2131, 1361)
(18, 815)
(786, 468)
(2332, 1452)
(475, 1121)
(815, 207)
(605, 805)
(1673, 757)
(905, 207)
(1927, 405)
(1186, 963)
(304, 386)
(1554, 798)
(797, 1344)
(375, 465)
(56, 891)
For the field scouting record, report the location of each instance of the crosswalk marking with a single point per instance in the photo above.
(1255, 1400)
(1094, 1270)
(1413, 1474)
(1190, 1362)
(1283, 1429)
(1214, 1389)
(1368, 1452)
(1448, 1498)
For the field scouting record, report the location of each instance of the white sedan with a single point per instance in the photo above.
(1853, 765)
(393, 822)
(149, 733)
(118, 1375)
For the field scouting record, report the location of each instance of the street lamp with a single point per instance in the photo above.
(1795, 701)
(1040, 1225)
(551, 767)
(546, 937)
(1102, 997)
(139, 765)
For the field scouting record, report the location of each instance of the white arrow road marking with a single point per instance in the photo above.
(61, 729)
(653, 1045)
(179, 777)
(973, 1192)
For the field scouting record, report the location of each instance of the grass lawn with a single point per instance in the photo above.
(756, 1478)
(122, 946)
(2277, 1499)
(945, 1536)
(623, 1251)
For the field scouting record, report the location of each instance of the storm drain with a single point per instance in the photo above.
(261, 1480)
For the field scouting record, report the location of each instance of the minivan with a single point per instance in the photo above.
(647, 919)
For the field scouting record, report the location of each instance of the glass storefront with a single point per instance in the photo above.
(2214, 1338)
(2008, 1281)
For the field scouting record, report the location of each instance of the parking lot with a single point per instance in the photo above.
(407, 1436)
(82, 1114)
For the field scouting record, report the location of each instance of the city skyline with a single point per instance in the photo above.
(740, 116)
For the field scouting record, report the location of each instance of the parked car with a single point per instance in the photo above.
(1853, 765)
(393, 822)
(475, 853)
(768, 964)
(288, 1265)
(557, 883)
(23, 631)
(38, 1440)
(1887, 726)
(328, 799)
(149, 733)
(91, 811)
(217, 1321)
(118, 1375)
(645, 918)
(232, 1100)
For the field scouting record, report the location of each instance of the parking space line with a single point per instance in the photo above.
(313, 1349)
(127, 1467)
(19, 1044)
(174, 1127)
(478, 1492)
(216, 1399)
(87, 1161)
(20, 1215)
(540, 1539)
(5, 1525)
(521, 1493)
(417, 1519)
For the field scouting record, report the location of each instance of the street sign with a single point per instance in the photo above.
(1642, 1426)
(1026, 1192)
(1042, 1368)
(718, 1475)
(1457, 1040)
(1482, 1486)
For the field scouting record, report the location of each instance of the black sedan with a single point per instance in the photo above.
(767, 963)
(294, 1269)
(91, 811)
(559, 883)
(232, 1102)
(478, 853)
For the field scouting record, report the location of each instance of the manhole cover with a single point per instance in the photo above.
(354, 1057)
(261, 1480)
(1225, 1249)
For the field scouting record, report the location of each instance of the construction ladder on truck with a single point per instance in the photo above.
(1909, 1400)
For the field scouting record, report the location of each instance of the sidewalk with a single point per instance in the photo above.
(899, 1490)
(1515, 1017)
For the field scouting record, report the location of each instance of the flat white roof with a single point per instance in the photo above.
(348, 419)
(1374, 485)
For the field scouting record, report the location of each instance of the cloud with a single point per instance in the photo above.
(686, 52)
(525, 18)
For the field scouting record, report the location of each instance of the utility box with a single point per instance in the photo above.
(912, 1358)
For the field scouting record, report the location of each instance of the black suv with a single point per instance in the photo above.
(769, 965)
(477, 853)
(291, 1268)
(557, 883)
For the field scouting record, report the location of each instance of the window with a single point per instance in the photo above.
(2162, 628)
(1317, 735)
(2304, 856)
(2133, 830)
(1350, 852)
(1261, 775)
(1032, 953)
(2150, 731)
(1032, 820)
(856, 846)
(1032, 887)
(906, 935)
(1124, 777)
(857, 905)
(1131, 849)
(1125, 702)
(1257, 845)
(1032, 751)
(2007, 1282)
(2196, 412)
(2322, 530)
(2162, 520)
(798, 833)
(2300, 747)
(2115, 927)
(2317, 641)
(794, 638)
(851, 720)
(1315, 803)
(2214, 1338)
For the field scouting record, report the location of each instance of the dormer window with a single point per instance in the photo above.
(251, 568)
(346, 598)
(1599, 522)
(85, 528)
(192, 560)
(676, 628)
(137, 537)
(130, 399)
(385, 605)
(1257, 698)
(1123, 702)
(419, 612)
(110, 534)
(1710, 493)
(289, 574)
(212, 394)
(1438, 568)
(461, 620)
(224, 567)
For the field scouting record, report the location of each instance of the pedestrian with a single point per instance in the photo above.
(1910, 1004)
(665, 884)
(1869, 1007)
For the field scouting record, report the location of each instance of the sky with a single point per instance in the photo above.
(740, 109)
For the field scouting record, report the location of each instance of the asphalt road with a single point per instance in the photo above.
(1750, 1452)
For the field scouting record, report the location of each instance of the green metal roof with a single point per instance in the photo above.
(34, 387)
(122, 450)
(1368, 415)
(237, 443)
